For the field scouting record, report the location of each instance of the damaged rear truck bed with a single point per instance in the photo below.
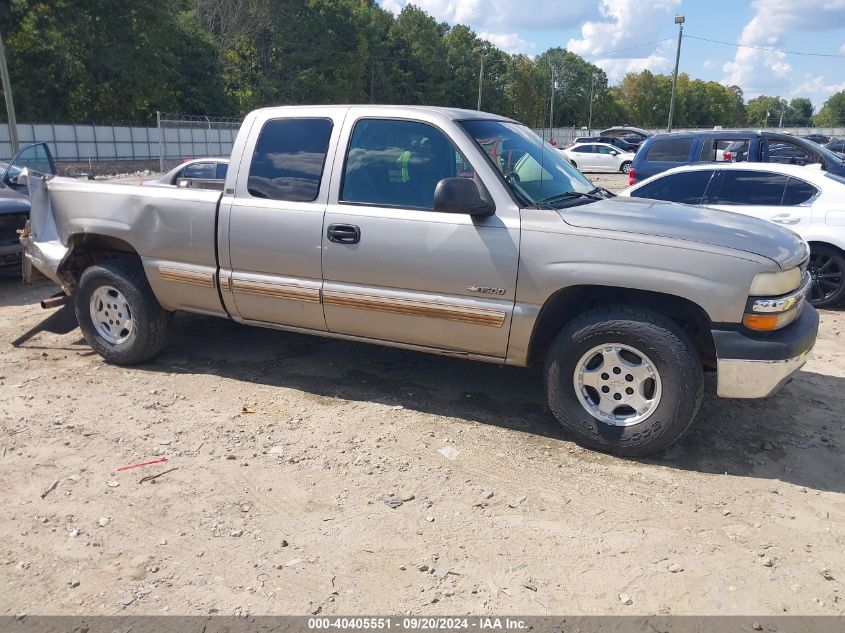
(446, 231)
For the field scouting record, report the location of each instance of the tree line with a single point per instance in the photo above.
(120, 62)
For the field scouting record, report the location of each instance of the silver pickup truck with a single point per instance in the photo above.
(447, 231)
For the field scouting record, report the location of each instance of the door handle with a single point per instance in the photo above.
(344, 234)
(785, 218)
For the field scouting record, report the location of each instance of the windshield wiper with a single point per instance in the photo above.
(569, 195)
(602, 190)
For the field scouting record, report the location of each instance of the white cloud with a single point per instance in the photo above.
(708, 64)
(817, 89)
(760, 71)
(508, 42)
(627, 23)
(503, 15)
(842, 49)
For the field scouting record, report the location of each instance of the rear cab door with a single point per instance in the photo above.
(396, 270)
(752, 192)
(271, 216)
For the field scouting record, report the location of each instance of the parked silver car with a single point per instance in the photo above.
(203, 173)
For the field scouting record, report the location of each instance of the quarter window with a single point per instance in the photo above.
(751, 188)
(288, 160)
(670, 150)
(797, 192)
(399, 163)
(685, 188)
(220, 171)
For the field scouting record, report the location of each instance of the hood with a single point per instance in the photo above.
(12, 202)
(693, 224)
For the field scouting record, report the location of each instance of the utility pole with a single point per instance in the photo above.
(552, 109)
(10, 105)
(781, 116)
(590, 121)
(679, 20)
(480, 80)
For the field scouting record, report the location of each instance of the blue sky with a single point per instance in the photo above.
(593, 27)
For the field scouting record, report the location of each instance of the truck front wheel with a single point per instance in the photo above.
(118, 313)
(624, 380)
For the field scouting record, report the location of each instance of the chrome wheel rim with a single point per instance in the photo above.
(111, 315)
(617, 384)
(827, 277)
(626, 168)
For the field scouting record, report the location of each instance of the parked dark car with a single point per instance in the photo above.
(664, 151)
(836, 145)
(821, 139)
(14, 199)
(616, 141)
(633, 135)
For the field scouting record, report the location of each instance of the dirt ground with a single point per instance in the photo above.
(282, 449)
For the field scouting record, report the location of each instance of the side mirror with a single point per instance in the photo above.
(460, 195)
(615, 153)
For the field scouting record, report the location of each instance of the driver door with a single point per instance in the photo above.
(34, 157)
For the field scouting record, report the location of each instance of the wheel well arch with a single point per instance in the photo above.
(816, 242)
(567, 303)
(87, 249)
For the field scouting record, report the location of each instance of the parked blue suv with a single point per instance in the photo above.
(665, 151)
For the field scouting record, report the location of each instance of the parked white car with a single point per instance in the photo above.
(207, 171)
(599, 157)
(807, 200)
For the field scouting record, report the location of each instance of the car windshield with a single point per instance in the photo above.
(828, 155)
(537, 172)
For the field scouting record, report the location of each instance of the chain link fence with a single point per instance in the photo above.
(184, 136)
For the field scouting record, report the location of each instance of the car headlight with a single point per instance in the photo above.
(767, 313)
(774, 284)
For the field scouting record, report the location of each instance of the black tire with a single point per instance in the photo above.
(150, 322)
(827, 267)
(663, 342)
(626, 167)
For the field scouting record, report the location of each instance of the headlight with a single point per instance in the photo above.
(765, 314)
(774, 284)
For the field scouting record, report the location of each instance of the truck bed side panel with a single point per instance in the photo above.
(172, 230)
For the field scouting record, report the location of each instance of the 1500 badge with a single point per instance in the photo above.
(487, 290)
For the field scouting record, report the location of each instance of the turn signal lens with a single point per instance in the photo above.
(769, 322)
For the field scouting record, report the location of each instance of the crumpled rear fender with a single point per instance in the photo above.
(41, 241)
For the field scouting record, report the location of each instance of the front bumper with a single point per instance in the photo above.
(757, 365)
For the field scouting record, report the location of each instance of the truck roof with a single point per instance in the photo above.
(454, 114)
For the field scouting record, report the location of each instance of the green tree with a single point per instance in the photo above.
(800, 111)
(832, 113)
(765, 111)
(109, 61)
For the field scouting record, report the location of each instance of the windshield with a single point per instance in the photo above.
(824, 151)
(533, 169)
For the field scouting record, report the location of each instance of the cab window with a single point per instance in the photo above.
(399, 163)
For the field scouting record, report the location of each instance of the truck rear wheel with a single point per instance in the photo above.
(118, 313)
(624, 380)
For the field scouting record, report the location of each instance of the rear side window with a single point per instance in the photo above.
(685, 188)
(670, 150)
(797, 192)
(724, 150)
(288, 160)
(585, 149)
(751, 188)
(399, 163)
(220, 171)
